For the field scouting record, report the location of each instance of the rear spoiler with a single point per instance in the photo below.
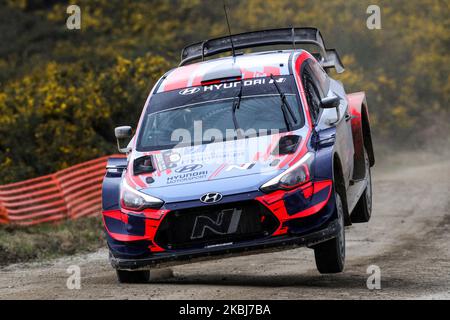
(328, 58)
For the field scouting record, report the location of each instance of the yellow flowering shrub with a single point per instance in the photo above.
(63, 91)
(62, 114)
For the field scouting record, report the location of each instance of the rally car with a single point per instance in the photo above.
(241, 153)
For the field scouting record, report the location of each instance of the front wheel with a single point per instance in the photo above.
(330, 255)
(141, 276)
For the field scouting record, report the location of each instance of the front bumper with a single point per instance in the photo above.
(275, 243)
(143, 240)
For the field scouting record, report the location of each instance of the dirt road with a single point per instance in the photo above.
(408, 238)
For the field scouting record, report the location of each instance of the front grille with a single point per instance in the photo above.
(218, 224)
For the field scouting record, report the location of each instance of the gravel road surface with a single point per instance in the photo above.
(408, 238)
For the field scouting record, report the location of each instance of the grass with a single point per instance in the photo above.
(25, 244)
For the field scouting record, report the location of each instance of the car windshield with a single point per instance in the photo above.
(216, 120)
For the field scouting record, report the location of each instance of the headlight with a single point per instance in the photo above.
(134, 200)
(292, 178)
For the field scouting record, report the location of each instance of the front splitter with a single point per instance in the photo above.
(172, 258)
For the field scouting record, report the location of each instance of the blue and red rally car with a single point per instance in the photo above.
(240, 155)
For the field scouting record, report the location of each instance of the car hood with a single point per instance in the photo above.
(231, 167)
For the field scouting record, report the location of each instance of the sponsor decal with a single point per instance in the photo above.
(189, 91)
(174, 157)
(168, 159)
(229, 85)
(187, 177)
(189, 168)
(227, 222)
(245, 166)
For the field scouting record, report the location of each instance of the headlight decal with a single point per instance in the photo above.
(293, 177)
(124, 228)
(285, 205)
(134, 200)
(298, 204)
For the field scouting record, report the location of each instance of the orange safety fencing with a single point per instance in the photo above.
(67, 194)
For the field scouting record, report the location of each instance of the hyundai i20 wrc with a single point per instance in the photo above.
(239, 155)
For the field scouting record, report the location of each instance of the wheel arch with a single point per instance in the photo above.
(111, 183)
(367, 133)
(362, 137)
(340, 187)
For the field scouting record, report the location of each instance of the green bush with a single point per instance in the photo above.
(21, 244)
(63, 91)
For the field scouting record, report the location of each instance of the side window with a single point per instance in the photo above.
(312, 93)
(321, 77)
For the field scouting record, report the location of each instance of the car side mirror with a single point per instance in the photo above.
(123, 134)
(330, 102)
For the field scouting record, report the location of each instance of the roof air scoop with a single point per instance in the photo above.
(222, 74)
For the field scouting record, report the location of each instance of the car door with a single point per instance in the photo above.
(318, 85)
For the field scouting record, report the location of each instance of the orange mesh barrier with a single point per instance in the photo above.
(70, 193)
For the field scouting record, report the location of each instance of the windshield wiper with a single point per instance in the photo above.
(237, 105)
(285, 105)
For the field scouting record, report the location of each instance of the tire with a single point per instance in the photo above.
(363, 210)
(141, 276)
(330, 255)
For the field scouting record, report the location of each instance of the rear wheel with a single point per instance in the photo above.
(363, 209)
(330, 255)
(141, 276)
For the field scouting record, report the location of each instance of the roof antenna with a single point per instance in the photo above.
(229, 29)
(293, 36)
